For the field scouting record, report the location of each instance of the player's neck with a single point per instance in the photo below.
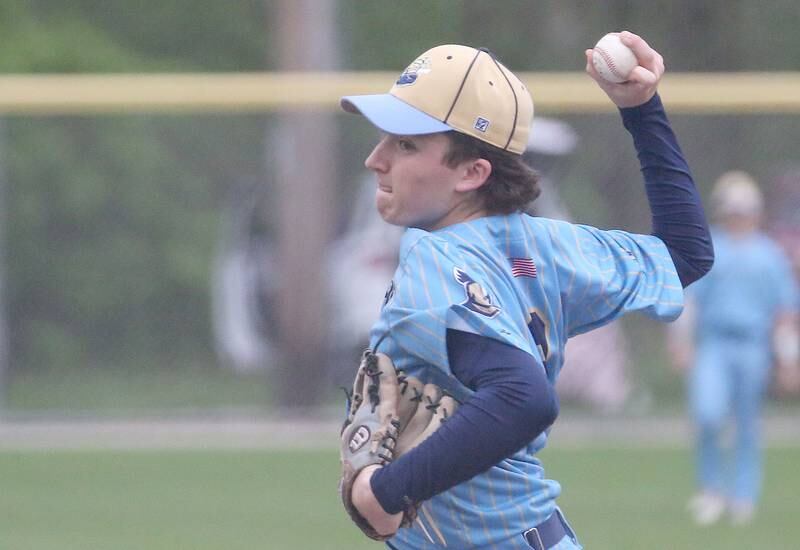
(462, 212)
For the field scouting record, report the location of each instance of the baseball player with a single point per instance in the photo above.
(485, 297)
(744, 315)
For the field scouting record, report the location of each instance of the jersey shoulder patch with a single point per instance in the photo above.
(477, 298)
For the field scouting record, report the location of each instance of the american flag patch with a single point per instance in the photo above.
(523, 267)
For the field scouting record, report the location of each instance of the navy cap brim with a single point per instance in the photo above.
(393, 115)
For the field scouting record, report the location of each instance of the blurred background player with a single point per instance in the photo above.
(738, 318)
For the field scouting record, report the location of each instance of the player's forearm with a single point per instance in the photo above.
(786, 339)
(677, 211)
(513, 403)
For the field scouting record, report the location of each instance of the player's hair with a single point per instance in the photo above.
(511, 186)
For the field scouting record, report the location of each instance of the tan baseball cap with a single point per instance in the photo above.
(453, 87)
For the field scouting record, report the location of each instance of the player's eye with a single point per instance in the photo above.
(405, 144)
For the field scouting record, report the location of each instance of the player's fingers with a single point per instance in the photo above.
(589, 65)
(647, 56)
(640, 48)
(657, 65)
(642, 76)
(591, 71)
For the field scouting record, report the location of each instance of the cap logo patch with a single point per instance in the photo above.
(421, 65)
(481, 124)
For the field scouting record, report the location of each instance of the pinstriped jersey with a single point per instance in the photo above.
(528, 282)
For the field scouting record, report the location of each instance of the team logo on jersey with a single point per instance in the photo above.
(420, 66)
(478, 300)
(389, 294)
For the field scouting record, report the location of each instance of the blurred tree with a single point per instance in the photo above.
(112, 220)
(181, 35)
(126, 36)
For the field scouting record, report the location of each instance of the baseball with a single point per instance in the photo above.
(612, 59)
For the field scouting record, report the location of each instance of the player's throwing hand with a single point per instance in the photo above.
(642, 81)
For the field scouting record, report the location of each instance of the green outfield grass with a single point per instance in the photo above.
(616, 499)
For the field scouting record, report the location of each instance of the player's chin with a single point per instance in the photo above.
(383, 203)
(393, 217)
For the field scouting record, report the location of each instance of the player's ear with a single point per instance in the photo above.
(475, 173)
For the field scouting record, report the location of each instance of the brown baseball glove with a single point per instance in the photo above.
(389, 414)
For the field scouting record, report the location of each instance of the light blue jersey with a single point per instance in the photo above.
(750, 282)
(528, 282)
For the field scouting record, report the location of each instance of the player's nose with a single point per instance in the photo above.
(377, 160)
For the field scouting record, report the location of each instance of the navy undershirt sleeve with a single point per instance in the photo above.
(513, 403)
(678, 216)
